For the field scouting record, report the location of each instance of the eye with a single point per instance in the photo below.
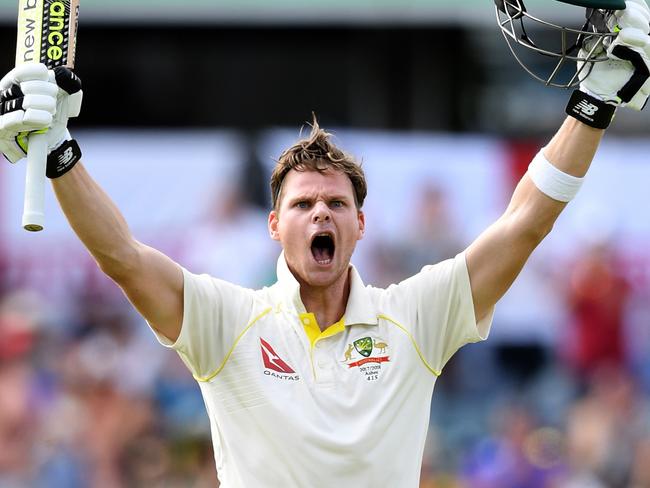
(302, 204)
(337, 204)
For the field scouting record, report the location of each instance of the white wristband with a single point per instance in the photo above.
(551, 181)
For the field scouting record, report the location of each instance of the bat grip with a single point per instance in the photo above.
(34, 207)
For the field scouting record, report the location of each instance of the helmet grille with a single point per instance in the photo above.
(553, 54)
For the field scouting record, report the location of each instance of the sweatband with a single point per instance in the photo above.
(590, 110)
(551, 181)
(62, 159)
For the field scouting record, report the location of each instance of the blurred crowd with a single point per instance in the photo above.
(89, 399)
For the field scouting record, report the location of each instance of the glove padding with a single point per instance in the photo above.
(35, 99)
(624, 79)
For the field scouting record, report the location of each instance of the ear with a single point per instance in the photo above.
(273, 225)
(362, 224)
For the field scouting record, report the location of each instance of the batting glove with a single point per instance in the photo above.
(35, 99)
(622, 80)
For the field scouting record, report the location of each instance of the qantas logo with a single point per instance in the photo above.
(274, 363)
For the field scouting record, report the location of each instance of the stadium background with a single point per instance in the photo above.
(185, 107)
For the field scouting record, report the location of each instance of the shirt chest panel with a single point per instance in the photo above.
(274, 365)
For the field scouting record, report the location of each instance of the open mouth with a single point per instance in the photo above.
(322, 248)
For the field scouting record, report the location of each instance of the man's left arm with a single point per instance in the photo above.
(498, 255)
(495, 259)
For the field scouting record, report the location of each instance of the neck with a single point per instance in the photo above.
(327, 303)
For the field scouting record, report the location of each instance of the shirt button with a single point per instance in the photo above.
(322, 363)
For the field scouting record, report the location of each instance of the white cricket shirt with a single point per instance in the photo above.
(290, 406)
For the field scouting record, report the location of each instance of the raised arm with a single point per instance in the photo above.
(497, 256)
(152, 281)
(33, 98)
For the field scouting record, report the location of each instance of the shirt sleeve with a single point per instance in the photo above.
(215, 313)
(437, 309)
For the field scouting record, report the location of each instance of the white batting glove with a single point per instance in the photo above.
(624, 79)
(35, 99)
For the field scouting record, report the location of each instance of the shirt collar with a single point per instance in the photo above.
(359, 309)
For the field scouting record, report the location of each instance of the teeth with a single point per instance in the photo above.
(324, 261)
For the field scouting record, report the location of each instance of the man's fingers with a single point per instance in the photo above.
(639, 4)
(29, 101)
(30, 71)
(29, 120)
(12, 121)
(39, 87)
(35, 119)
(632, 37)
(635, 15)
(24, 72)
(40, 102)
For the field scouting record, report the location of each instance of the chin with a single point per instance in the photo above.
(325, 276)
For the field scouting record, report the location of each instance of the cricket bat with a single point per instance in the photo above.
(47, 33)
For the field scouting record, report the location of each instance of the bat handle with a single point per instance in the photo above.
(34, 208)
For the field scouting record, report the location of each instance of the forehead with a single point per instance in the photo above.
(329, 182)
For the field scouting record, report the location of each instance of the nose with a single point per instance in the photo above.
(321, 213)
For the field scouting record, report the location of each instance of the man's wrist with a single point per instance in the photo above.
(590, 110)
(63, 158)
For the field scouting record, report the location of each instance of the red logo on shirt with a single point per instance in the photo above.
(272, 360)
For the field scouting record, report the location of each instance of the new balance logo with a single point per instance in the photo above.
(587, 108)
(66, 157)
(272, 360)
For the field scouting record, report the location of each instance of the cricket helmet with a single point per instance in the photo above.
(577, 47)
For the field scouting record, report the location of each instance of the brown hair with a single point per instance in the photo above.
(318, 153)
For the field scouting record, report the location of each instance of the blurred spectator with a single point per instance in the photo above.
(517, 455)
(432, 235)
(638, 329)
(604, 430)
(180, 404)
(29, 453)
(110, 342)
(17, 380)
(597, 298)
(641, 466)
(229, 243)
(388, 262)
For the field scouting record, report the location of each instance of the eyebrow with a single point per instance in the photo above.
(308, 197)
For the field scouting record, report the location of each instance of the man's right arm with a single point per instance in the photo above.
(32, 98)
(151, 281)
